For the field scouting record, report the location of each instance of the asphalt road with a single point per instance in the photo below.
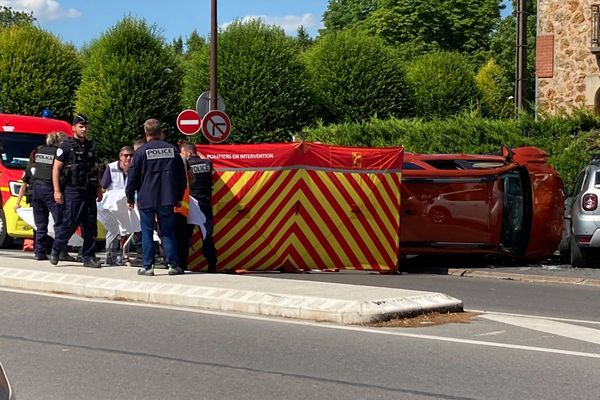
(556, 300)
(63, 348)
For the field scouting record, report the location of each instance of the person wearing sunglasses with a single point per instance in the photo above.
(115, 178)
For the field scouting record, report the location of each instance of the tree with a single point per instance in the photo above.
(356, 77)
(261, 79)
(8, 17)
(194, 42)
(494, 103)
(444, 84)
(130, 75)
(447, 25)
(503, 49)
(341, 14)
(37, 71)
(303, 38)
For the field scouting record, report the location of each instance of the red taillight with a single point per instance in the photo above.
(589, 202)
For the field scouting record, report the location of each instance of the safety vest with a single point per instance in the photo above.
(185, 203)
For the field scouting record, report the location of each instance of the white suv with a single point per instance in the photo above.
(580, 244)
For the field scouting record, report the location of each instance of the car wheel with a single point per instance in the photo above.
(579, 256)
(5, 240)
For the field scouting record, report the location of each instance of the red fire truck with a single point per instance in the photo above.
(19, 135)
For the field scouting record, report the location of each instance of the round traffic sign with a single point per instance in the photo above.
(216, 126)
(203, 104)
(189, 122)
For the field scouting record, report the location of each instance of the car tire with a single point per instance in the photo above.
(5, 240)
(579, 256)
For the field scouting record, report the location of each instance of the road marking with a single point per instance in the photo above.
(324, 325)
(491, 333)
(576, 332)
(575, 321)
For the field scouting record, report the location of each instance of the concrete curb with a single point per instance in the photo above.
(524, 277)
(237, 300)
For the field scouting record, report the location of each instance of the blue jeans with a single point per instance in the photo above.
(166, 228)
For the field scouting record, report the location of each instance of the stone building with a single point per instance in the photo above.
(568, 55)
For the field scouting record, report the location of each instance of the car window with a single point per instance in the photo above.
(578, 183)
(597, 179)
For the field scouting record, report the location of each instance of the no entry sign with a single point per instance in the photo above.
(216, 126)
(189, 122)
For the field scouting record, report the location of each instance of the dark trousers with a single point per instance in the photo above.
(184, 235)
(79, 211)
(43, 204)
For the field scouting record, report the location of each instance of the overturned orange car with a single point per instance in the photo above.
(509, 204)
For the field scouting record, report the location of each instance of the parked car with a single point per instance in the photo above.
(509, 204)
(5, 389)
(580, 244)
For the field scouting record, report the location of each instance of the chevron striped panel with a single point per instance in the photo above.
(304, 219)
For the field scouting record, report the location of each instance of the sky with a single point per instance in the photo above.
(80, 22)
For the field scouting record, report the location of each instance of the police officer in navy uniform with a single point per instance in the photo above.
(75, 182)
(200, 171)
(157, 177)
(38, 176)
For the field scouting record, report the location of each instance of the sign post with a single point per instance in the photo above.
(189, 122)
(216, 126)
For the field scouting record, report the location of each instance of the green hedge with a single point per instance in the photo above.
(568, 140)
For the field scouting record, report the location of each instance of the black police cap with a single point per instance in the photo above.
(80, 119)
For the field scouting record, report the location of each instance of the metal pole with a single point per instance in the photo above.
(213, 56)
(521, 59)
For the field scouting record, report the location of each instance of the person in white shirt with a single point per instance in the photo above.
(115, 178)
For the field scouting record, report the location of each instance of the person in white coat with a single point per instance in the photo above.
(114, 178)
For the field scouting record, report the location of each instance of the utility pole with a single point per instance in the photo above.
(213, 56)
(521, 59)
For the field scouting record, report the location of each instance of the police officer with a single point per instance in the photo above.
(38, 175)
(157, 177)
(75, 182)
(200, 172)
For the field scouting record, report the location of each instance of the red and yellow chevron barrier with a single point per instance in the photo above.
(304, 206)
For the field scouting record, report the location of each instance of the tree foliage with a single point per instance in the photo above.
(261, 79)
(130, 75)
(444, 84)
(9, 17)
(494, 103)
(341, 14)
(356, 77)
(37, 71)
(450, 25)
(503, 49)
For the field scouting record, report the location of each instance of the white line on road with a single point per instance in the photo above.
(491, 333)
(327, 326)
(576, 332)
(575, 321)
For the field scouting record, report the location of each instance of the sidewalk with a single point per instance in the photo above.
(317, 301)
(539, 274)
